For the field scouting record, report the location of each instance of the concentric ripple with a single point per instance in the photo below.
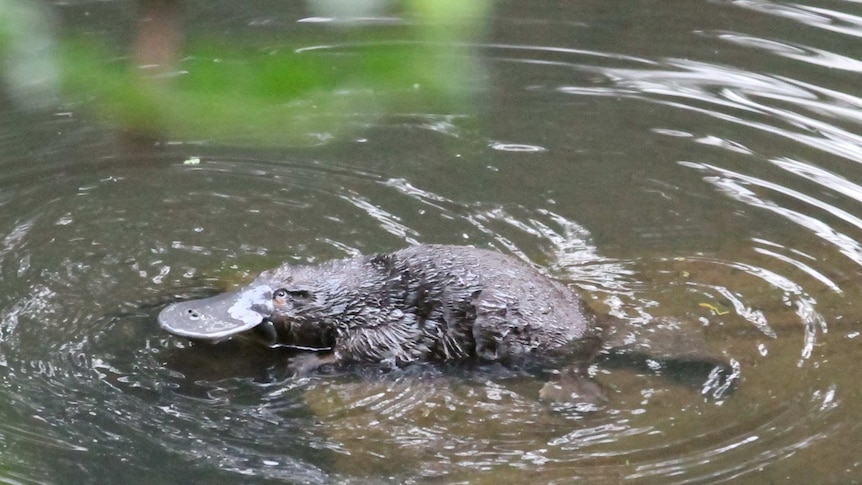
(81, 344)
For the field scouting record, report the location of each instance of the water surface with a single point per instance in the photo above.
(694, 159)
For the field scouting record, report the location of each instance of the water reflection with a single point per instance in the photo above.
(29, 75)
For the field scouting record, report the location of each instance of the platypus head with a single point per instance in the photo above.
(276, 308)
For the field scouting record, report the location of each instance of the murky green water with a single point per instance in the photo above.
(695, 159)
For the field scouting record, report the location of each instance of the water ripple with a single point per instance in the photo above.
(819, 17)
(736, 185)
(812, 55)
(87, 261)
(687, 84)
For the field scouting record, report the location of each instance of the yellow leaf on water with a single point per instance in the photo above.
(713, 308)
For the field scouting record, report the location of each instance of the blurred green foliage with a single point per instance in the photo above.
(285, 91)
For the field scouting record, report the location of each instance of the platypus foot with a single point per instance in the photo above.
(307, 362)
(573, 386)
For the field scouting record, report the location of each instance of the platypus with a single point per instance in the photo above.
(421, 303)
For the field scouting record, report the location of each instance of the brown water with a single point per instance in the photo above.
(695, 159)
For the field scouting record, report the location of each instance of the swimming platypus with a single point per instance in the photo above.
(421, 303)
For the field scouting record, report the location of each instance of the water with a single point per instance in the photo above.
(695, 159)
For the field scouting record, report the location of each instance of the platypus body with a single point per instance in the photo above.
(421, 303)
